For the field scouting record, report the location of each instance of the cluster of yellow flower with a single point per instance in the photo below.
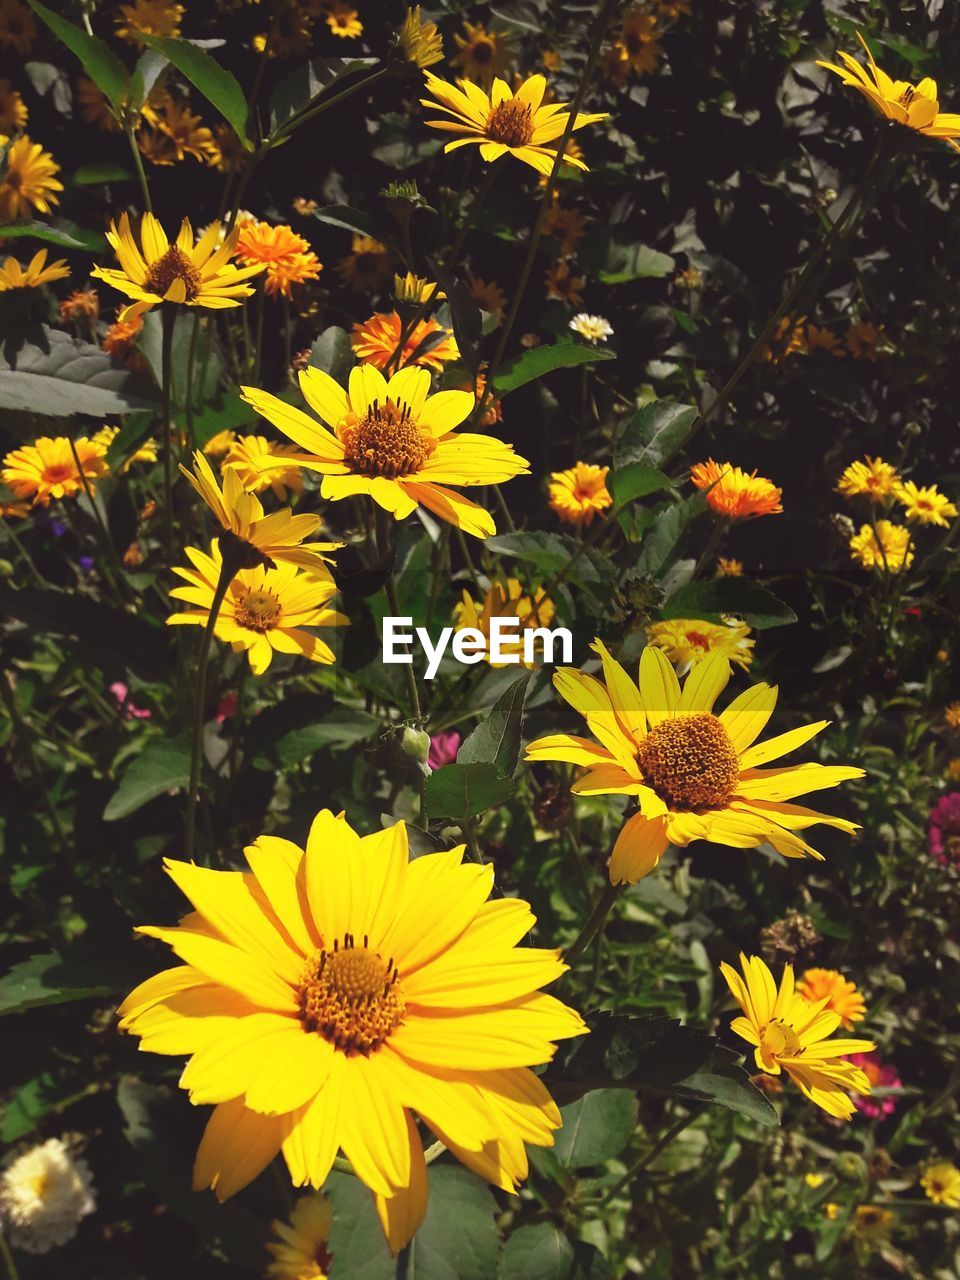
(793, 336)
(883, 544)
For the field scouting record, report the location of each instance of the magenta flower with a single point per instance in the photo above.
(121, 695)
(880, 1074)
(443, 748)
(945, 830)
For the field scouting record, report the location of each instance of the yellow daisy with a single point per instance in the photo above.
(733, 493)
(872, 478)
(914, 106)
(885, 547)
(393, 441)
(941, 1182)
(790, 1034)
(505, 600)
(579, 493)
(28, 180)
(13, 109)
(694, 775)
(327, 995)
(36, 272)
(148, 17)
(638, 40)
(301, 1252)
(192, 274)
(835, 992)
(146, 452)
(482, 54)
(872, 1223)
(504, 121)
(242, 454)
(47, 468)
(342, 19)
(264, 611)
(366, 266)
(418, 41)
(926, 505)
(415, 289)
(219, 444)
(286, 257)
(488, 296)
(277, 537)
(686, 641)
(185, 132)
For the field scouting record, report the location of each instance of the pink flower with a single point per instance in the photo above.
(227, 708)
(443, 748)
(945, 830)
(880, 1075)
(121, 697)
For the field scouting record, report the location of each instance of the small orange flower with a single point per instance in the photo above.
(579, 493)
(488, 296)
(564, 285)
(366, 266)
(733, 493)
(841, 996)
(376, 339)
(120, 337)
(565, 225)
(81, 304)
(288, 258)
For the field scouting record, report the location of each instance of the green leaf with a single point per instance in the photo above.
(333, 353)
(634, 262)
(92, 174)
(596, 1128)
(742, 596)
(636, 480)
(356, 1237)
(162, 765)
(65, 235)
(728, 1085)
(29, 1104)
(219, 86)
(342, 728)
(135, 430)
(551, 552)
(542, 1252)
(146, 73)
(341, 215)
(464, 790)
(496, 739)
(654, 433)
(52, 979)
(661, 544)
(99, 61)
(533, 364)
(459, 1239)
(225, 415)
(151, 345)
(302, 87)
(70, 377)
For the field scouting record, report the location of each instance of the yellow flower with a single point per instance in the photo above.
(367, 265)
(179, 132)
(870, 1222)
(887, 547)
(579, 493)
(565, 225)
(28, 180)
(13, 109)
(835, 992)
(415, 289)
(14, 510)
(926, 505)
(482, 54)
(728, 568)
(863, 340)
(831, 1211)
(148, 17)
(733, 493)
(220, 443)
(326, 996)
(278, 537)
(686, 641)
(914, 106)
(82, 304)
(813, 1180)
(505, 600)
(419, 42)
(242, 455)
(790, 1034)
(17, 27)
(563, 284)
(94, 107)
(637, 40)
(289, 34)
(488, 296)
(264, 610)
(287, 257)
(873, 478)
(146, 452)
(47, 468)
(36, 272)
(951, 715)
(343, 20)
(694, 775)
(301, 1252)
(788, 339)
(393, 441)
(190, 274)
(941, 1182)
(505, 121)
(428, 343)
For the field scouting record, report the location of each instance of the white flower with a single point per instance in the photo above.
(43, 1195)
(594, 328)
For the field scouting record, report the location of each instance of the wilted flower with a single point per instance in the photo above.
(43, 1196)
(579, 493)
(687, 641)
(566, 226)
(840, 995)
(945, 830)
(788, 938)
(593, 328)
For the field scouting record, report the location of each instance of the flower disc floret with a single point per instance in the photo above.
(690, 761)
(351, 996)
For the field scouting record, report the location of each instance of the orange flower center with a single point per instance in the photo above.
(257, 610)
(59, 472)
(510, 123)
(386, 442)
(698, 640)
(690, 762)
(173, 265)
(351, 997)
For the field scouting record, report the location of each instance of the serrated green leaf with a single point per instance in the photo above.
(540, 1251)
(533, 364)
(304, 86)
(98, 60)
(342, 728)
(163, 765)
(728, 1085)
(219, 86)
(464, 790)
(661, 544)
(636, 480)
(741, 596)
(496, 739)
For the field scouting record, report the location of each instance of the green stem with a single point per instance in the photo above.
(674, 1131)
(286, 129)
(103, 535)
(595, 922)
(9, 1266)
(384, 542)
(28, 559)
(191, 361)
(168, 320)
(467, 827)
(138, 165)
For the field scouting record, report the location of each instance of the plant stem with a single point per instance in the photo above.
(384, 542)
(168, 320)
(191, 361)
(674, 1131)
(595, 922)
(138, 165)
(9, 1266)
(103, 535)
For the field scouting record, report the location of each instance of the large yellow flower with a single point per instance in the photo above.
(694, 775)
(194, 274)
(886, 546)
(392, 441)
(36, 272)
(790, 1034)
(47, 468)
(482, 54)
(914, 106)
(872, 478)
(264, 611)
(28, 180)
(504, 121)
(505, 600)
(327, 995)
(835, 992)
(689, 640)
(278, 536)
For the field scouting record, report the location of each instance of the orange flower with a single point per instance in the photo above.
(841, 996)
(733, 493)
(376, 339)
(288, 258)
(562, 284)
(80, 303)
